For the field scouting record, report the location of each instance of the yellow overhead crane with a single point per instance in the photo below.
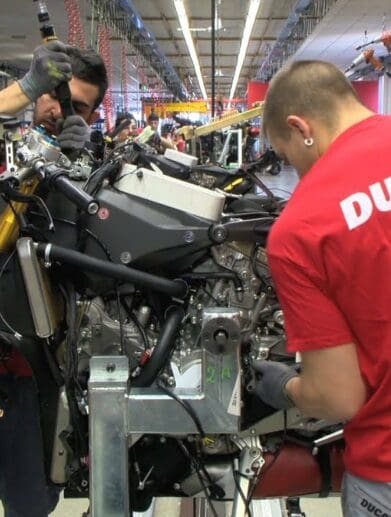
(189, 132)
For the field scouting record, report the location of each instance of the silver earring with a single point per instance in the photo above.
(308, 142)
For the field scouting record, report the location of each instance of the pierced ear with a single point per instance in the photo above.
(299, 124)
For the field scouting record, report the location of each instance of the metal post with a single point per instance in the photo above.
(213, 54)
(109, 487)
(213, 78)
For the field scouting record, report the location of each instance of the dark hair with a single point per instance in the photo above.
(311, 88)
(153, 116)
(123, 115)
(88, 66)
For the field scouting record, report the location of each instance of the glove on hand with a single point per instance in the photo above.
(73, 133)
(271, 386)
(50, 67)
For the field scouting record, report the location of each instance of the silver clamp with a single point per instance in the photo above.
(46, 260)
(251, 452)
(250, 463)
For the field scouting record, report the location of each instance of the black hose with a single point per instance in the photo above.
(177, 288)
(162, 350)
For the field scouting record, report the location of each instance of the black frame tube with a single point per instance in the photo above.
(51, 252)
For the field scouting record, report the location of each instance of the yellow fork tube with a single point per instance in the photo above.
(9, 225)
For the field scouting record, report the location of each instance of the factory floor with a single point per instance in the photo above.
(168, 507)
(281, 185)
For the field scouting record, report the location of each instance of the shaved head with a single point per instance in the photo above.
(315, 89)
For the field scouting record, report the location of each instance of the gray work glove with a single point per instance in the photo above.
(50, 67)
(271, 384)
(73, 133)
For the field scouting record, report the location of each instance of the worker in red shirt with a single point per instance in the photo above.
(330, 257)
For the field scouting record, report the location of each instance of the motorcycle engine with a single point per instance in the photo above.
(235, 275)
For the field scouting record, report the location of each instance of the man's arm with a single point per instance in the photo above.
(13, 99)
(50, 66)
(330, 385)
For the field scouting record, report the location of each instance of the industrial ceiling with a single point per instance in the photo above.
(158, 55)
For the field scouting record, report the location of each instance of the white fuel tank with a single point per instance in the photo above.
(157, 187)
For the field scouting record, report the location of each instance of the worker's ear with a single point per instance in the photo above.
(94, 117)
(299, 124)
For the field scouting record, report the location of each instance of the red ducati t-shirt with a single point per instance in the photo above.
(330, 257)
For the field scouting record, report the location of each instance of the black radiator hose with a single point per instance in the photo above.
(162, 350)
(49, 252)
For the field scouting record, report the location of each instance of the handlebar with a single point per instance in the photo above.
(58, 180)
(77, 196)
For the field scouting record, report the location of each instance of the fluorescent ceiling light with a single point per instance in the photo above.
(248, 27)
(184, 22)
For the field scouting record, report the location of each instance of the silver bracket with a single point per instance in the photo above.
(118, 413)
(109, 487)
(250, 463)
(9, 154)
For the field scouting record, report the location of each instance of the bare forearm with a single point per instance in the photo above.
(13, 99)
(329, 403)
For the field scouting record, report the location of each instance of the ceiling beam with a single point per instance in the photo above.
(224, 18)
(179, 54)
(170, 33)
(230, 67)
(238, 38)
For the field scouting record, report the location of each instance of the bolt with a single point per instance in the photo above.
(252, 431)
(176, 486)
(263, 353)
(189, 236)
(110, 367)
(125, 257)
(139, 174)
(253, 453)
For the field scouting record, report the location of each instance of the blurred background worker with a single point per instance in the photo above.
(150, 135)
(150, 130)
(125, 128)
